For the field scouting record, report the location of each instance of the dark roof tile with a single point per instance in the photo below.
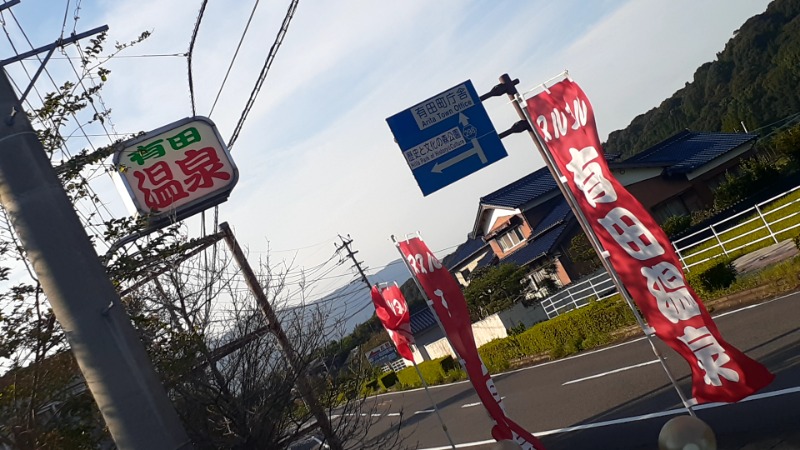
(422, 320)
(559, 212)
(688, 150)
(465, 251)
(522, 191)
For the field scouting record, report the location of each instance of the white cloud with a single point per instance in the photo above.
(316, 156)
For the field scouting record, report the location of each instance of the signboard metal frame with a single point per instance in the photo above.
(158, 219)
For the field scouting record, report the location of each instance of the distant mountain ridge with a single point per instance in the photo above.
(754, 81)
(352, 307)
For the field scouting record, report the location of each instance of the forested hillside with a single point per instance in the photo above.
(755, 79)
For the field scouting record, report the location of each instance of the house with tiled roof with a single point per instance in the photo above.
(528, 222)
(678, 176)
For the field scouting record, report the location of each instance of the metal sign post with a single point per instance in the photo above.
(441, 327)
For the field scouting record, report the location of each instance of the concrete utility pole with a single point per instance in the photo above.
(352, 255)
(117, 370)
(274, 325)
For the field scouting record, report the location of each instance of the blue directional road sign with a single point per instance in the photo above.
(446, 137)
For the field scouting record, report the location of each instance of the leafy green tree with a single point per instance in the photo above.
(753, 80)
(787, 142)
(582, 253)
(752, 176)
(494, 289)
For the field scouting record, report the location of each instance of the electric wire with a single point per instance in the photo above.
(62, 144)
(264, 71)
(64, 24)
(74, 116)
(191, 49)
(233, 59)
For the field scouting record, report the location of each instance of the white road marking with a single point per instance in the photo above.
(393, 414)
(424, 411)
(621, 369)
(581, 355)
(470, 405)
(670, 412)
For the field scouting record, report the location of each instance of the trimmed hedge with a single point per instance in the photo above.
(569, 333)
(712, 276)
(388, 380)
(434, 372)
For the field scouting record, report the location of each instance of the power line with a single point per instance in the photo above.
(263, 76)
(191, 49)
(235, 54)
(64, 24)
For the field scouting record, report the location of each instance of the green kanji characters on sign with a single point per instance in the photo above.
(154, 149)
(184, 138)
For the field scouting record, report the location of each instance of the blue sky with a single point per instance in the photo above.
(316, 157)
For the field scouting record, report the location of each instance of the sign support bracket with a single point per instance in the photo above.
(50, 48)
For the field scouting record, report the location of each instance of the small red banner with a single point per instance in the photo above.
(640, 252)
(447, 301)
(392, 310)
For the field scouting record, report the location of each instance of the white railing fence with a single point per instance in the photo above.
(578, 294)
(727, 236)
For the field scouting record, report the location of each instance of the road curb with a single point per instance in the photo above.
(757, 294)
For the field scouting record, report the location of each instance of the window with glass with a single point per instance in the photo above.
(510, 239)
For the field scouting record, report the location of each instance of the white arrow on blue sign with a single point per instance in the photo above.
(446, 137)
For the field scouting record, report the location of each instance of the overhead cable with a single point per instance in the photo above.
(264, 71)
(191, 49)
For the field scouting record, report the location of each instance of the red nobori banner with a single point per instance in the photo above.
(640, 252)
(392, 310)
(447, 301)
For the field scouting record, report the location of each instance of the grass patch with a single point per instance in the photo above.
(750, 233)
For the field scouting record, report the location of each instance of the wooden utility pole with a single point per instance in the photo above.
(303, 386)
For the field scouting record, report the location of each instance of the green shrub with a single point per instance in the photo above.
(753, 175)
(455, 375)
(388, 380)
(370, 387)
(797, 241)
(716, 276)
(433, 371)
(583, 328)
(676, 225)
(497, 354)
(517, 329)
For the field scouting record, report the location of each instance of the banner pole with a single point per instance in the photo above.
(428, 301)
(435, 407)
(561, 182)
(441, 327)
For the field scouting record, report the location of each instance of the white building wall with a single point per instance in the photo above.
(493, 327)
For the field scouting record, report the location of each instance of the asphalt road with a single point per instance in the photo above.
(618, 397)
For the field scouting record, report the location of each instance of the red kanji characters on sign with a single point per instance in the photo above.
(160, 189)
(201, 167)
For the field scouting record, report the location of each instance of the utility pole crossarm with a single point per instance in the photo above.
(59, 43)
(352, 255)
